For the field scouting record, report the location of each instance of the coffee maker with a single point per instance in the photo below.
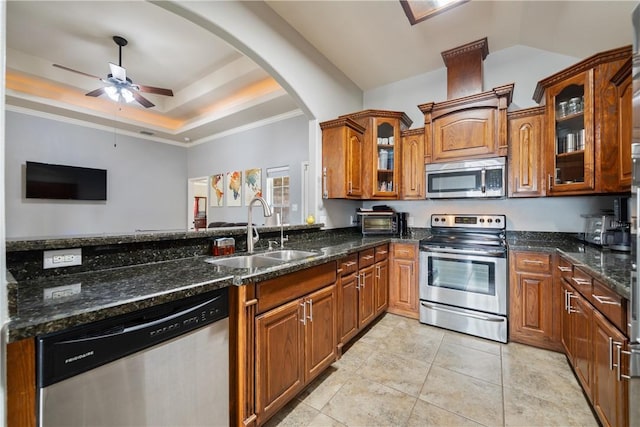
(619, 237)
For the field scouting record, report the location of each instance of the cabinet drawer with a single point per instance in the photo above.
(381, 252)
(366, 258)
(582, 282)
(533, 262)
(404, 251)
(610, 304)
(274, 292)
(348, 265)
(566, 268)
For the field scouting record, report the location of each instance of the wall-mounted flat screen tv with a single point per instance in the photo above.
(47, 181)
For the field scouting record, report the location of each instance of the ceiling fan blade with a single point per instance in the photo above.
(142, 100)
(76, 71)
(96, 92)
(155, 90)
(118, 72)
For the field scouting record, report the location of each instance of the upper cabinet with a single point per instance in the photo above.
(583, 135)
(366, 144)
(526, 145)
(412, 179)
(342, 151)
(471, 127)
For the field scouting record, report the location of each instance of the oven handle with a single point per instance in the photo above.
(491, 253)
(465, 313)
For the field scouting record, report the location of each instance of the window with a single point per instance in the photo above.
(278, 192)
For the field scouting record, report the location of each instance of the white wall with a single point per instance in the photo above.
(283, 143)
(537, 214)
(146, 181)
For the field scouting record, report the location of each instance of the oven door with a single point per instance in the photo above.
(466, 279)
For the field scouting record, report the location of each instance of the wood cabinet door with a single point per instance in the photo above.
(531, 314)
(582, 345)
(385, 160)
(568, 294)
(348, 303)
(320, 331)
(381, 285)
(279, 357)
(413, 175)
(570, 166)
(465, 133)
(403, 288)
(366, 296)
(355, 148)
(626, 130)
(609, 395)
(525, 153)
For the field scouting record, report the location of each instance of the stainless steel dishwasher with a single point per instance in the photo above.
(163, 366)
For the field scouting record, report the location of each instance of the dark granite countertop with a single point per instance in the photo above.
(110, 292)
(609, 267)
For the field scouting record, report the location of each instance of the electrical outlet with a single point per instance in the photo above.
(61, 291)
(62, 258)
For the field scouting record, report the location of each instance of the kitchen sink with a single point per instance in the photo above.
(245, 261)
(264, 259)
(288, 254)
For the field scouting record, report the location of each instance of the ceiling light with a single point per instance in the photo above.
(116, 93)
(419, 10)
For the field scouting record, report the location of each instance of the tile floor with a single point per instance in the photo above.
(403, 373)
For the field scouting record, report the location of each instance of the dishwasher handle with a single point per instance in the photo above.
(66, 354)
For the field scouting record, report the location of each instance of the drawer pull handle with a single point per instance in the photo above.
(368, 257)
(564, 269)
(310, 317)
(304, 313)
(581, 281)
(618, 364)
(605, 300)
(528, 261)
(382, 252)
(350, 263)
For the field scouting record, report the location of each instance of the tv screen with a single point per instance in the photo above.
(47, 181)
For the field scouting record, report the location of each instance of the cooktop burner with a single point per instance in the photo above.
(466, 231)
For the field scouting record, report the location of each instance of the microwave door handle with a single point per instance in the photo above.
(483, 180)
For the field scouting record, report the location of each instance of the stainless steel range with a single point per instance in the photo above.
(463, 275)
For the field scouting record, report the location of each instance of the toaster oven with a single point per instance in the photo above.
(599, 229)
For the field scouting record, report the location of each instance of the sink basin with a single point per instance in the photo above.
(287, 254)
(245, 261)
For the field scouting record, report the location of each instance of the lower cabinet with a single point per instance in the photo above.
(363, 290)
(593, 335)
(532, 318)
(403, 280)
(284, 333)
(294, 343)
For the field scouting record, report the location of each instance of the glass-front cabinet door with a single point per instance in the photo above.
(570, 154)
(386, 142)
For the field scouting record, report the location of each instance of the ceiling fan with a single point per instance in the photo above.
(119, 86)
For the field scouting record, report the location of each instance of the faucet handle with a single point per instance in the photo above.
(255, 236)
(271, 243)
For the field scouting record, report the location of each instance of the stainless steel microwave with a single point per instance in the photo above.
(481, 178)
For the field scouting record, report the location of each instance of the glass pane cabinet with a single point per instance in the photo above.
(572, 154)
(386, 181)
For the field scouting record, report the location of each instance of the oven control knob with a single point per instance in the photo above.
(436, 219)
(497, 220)
(481, 220)
(443, 220)
(489, 220)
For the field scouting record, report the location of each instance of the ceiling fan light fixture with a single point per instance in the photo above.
(118, 94)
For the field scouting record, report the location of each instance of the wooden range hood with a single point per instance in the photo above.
(471, 123)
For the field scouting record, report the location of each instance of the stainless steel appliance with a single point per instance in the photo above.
(634, 303)
(379, 221)
(463, 275)
(597, 228)
(162, 366)
(479, 178)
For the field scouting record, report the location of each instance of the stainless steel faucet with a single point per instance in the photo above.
(283, 238)
(266, 211)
